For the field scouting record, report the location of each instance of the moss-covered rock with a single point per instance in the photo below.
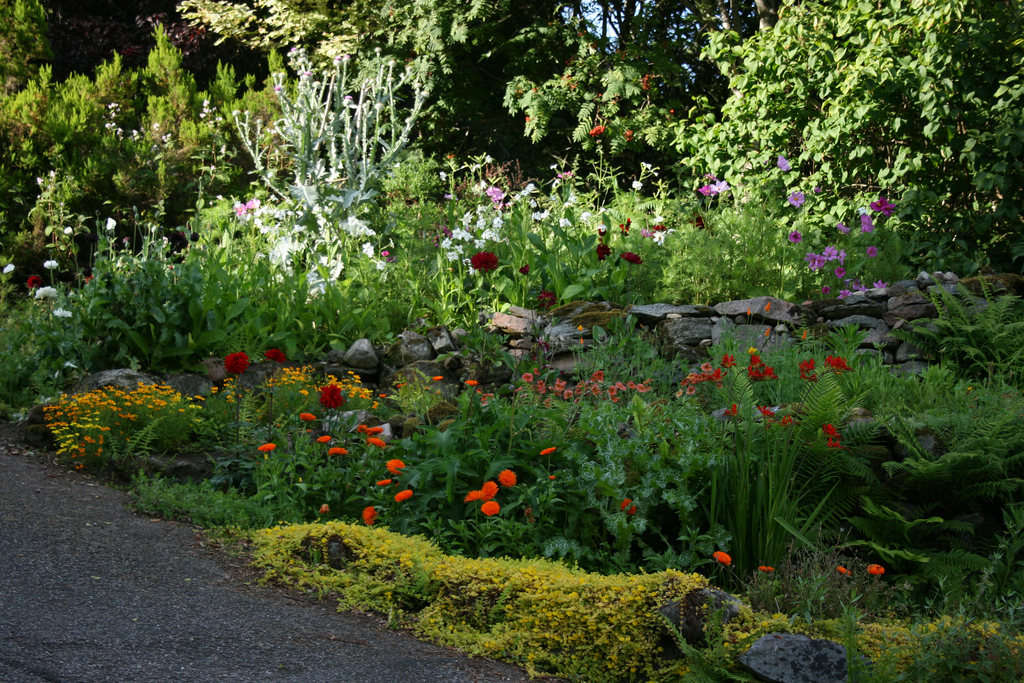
(1006, 283)
(592, 319)
(440, 411)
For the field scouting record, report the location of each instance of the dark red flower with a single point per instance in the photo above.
(807, 370)
(837, 363)
(276, 355)
(631, 257)
(624, 227)
(236, 363)
(330, 397)
(728, 360)
(603, 250)
(34, 281)
(484, 261)
(547, 299)
(698, 221)
(525, 270)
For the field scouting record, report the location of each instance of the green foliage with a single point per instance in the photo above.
(22, 42)
(918, 100)
(198, 503)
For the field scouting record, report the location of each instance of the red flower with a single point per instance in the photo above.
(728, 361)
(525, 270)
(766, 569)
(807, 370)
(324, 509)
(236, 363)
(603, 251)
(596, 131)
(307, 417)
(843, 570)
(403, 495)
(624, 227)
(484, 261)
(625, 503)
(546, 299)
(490, 490)
(732, 411)
(490, 508)
(330, 396)
(722, 558)
(631, 257)
(837, 363)
(276, 355)
(34, 281)
(766, 411)
(370, 515)
(395, 466)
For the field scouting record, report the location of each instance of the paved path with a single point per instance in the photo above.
(91, 592)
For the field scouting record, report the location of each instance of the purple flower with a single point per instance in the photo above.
(708, 190)
(881, 285)
(859, 287)
(866, 225)
(826, 289)
(496, 195)
(843, 229)
(711, 176)
(840, 272)
(815, 261)
(883, 206)
(830, 253)
(871, 252)
(843, 293)
(797, 199)
(817, 190)
(842, 256)
(795, 237)
(721, 186)
(783, 164)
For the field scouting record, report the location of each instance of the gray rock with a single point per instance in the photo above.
(907, 351)
(652, 314)
(879, 335)
(748, 335)
(189, 384)
(862, 321)
(689, 615)
(513, 324)
(215, 371)
(680, 332)
(410, 348)
(854, 305)
(913, 367)
(441, 340)
(950, 278)
(361, 355)
(778, 312)
(925, 279)
(126, 379)
(795, 658)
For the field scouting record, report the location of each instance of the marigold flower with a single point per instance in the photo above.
(374, 441)
(549, 451)
(551, 477)
(275, 355)
(267, 447)
(324, 439)
(384, 482)
(722, 558)
(330, 397)
(236, 363)
(374, 430)
(403, 495)
(369, 515)
(843, 570)
(471, 383)
(473, 496)
(507, 478)
(438, 378)
(876, 569)
(766, 569)
(395, 466)
(490, 508)
(337, 450)
(490, 490)
(625, 503)
(307, 417)
(324, 509)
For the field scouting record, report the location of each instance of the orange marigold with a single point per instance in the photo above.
(842, 570)
(507, 478)
(490, 508)
(471, 383)
(473, 496)
(403, 495)
(337, 450)
(374, 441)
(876, 569)
(307, 417)
(548, 451)
(370, 515)
(437, 378)
(324, 509)
(766, 569)
(722, 558)
(489, 489)
(395, 466)
(324, 439)
(384, 482)
(372, 431)
(267, 447)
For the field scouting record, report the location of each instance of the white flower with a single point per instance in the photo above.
(863, 211)
(659, 219)
(586, 216)
(69, 231)
(541, 215)
(530, 187)
(61, 313)
(46, 293)
(452, 255)
(8, 269)
(111, 223)
(490, 235)
(564, 222)
(461, 235)
(480, 244)
(533, 203)
(50, 265)
(444, 176)
(637, 184)
(368, 249)
(659, 237)
(67, 363)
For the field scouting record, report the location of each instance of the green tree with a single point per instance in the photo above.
(22, 42)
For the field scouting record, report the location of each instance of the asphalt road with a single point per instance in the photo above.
(90, 591)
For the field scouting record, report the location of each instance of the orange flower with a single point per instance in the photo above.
(362, 429)
(507, 478)
(768, 307)
(324, 509)
(490, 508)
(438, 378)
(324, 439)
(843, 570)
(548, 451)
(551, 477)
(307, 417)
(471, 383)
(722, 558)
(766, 569)
(337, 451)
(625, 503)
(267, 447)
(489, 489)
(395, 466)
(374, 430)
(876, 569)
(805, 335)
(473, 496)
(374, 441)
(403, 495)
(370, 515)
(384, 482)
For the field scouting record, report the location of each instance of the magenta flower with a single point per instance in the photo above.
(871, 251)
(815, 261)
(840, 272)
(883, 206)
(797, 199)
(830, 253)
(496, 195)
(866, 224)
(708, 190)
(826, 289)
(817, 190)
(843, 229)
(795, 237)
(783, 164)
(843, 293)
(881, 285)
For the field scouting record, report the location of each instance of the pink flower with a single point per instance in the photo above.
(871, 252)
